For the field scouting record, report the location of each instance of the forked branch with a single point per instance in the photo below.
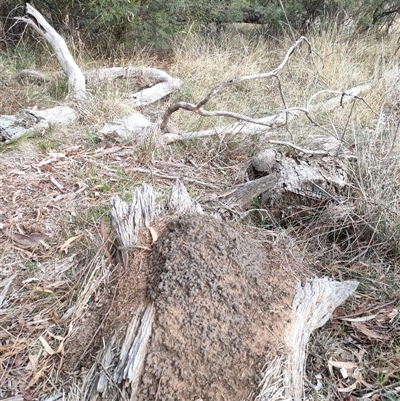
(198, 108)
(247, 125)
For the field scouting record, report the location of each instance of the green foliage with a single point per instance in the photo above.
(153, 23)
(302, 14)
(156, 22)
(214, 11)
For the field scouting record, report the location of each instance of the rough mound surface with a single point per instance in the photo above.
(222, 302)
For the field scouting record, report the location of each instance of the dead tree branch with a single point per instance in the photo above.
(247, 125)
(197, 108)
(76, 80)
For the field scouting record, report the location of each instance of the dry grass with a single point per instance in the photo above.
(40, 284)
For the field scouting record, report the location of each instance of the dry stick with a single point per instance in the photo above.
(306, 151)
(197, 108)
(171, 177)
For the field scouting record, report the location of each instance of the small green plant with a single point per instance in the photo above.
(58, 89)
(106, 187)
(91, 137)
(98, 212)
(30, 265)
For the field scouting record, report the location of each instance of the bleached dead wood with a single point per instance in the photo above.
(180, 201)
(106, 361)
(198, 108)
(312, 307)
(14, 126)
(134, 126)
(314, 179)
(5, 286)
(76, 80)
(248, 126)
(157, 83)
(128, 218)
(243, 194)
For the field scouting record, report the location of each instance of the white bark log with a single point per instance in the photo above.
(76, 80)
(13, 127)
(159, 84)
(132, 126)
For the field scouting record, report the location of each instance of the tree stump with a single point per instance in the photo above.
(205, 310)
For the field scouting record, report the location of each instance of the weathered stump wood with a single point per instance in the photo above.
(310, 306)
(288, 187)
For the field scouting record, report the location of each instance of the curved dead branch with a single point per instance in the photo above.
(76, 80)
(247, 125)
(198, 107)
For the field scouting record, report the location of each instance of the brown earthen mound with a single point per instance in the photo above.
(222, 302)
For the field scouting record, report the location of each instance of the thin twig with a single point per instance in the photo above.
(306, 151)
(172, 177)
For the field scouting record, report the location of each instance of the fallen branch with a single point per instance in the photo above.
(76, 80)
(157, 83)
(250, 126)
(14, 126)
(197, 108)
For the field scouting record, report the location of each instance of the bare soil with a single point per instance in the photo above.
(221, 306)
